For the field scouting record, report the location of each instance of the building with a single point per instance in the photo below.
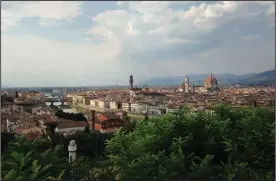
(142, 108)
(115, 105)
(187, 84)
(171, 109)
(210, 82)
(134, 107)
(12, 108)
(12, 126)
(126, 106)
(146, 89)
(131, 81)
(70, 126)
(94, 103)
(108, 122)
(154, 110)
(41, 111)
(103, 104)
(86, 100)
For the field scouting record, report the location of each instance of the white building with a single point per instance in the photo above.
(126, 106)
(154, 110)
(134, 107)
(94, 103)
(77, 100)
(103, 104)
(171, 110)
(70, 126)
(41, 111)
(86, 100)
(13, 125)
(143, 108)
(113, 105)
(12, 108)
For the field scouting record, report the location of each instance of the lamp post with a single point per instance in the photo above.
(72, 148)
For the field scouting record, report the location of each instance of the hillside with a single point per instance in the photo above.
(263, 78)
(267, 77)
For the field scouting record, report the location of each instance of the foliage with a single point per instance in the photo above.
(6, 98)
(129, 123)
(5, 139)
(33, 135)
(229, 144)
(86, 129)
(50, 131)
(70, 116)
(54, 107)
(89, 144)
(28, 160)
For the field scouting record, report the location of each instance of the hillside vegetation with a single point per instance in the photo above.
(231, 144)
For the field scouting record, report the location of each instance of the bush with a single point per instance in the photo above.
(70, 116)
(229, 144)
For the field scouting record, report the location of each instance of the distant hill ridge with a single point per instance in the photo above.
(262, 78)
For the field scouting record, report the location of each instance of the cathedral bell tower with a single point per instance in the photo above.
(187, 84)
(131, 81)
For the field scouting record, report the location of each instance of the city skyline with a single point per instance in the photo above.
(102, 43)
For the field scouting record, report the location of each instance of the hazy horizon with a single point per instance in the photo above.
(101, 43)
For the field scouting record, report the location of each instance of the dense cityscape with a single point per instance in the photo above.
(29, 108)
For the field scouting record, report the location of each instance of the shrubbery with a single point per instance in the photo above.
(230, 144)
(71, 116)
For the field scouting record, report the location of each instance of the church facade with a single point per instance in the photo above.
(210, 84)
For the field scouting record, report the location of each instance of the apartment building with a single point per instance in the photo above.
(134, 107)
(86, 100)
(103, 104)
(154, 110)
(113, 105)
(126, 106)
(94, 103)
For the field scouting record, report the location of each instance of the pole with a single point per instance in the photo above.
(72, 148)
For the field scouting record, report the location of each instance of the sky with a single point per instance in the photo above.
(74, 43)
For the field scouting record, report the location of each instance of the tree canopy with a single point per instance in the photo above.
(70, 116)
(229, 144)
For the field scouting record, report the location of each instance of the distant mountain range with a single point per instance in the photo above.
(262, 78)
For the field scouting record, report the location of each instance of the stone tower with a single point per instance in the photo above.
(93, 119)
(72, 149)
(187, 84)
(131, 81)
(16, 94)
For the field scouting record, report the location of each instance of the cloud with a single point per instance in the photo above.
(154, 21)
(38, 61)
(250, 38)
(48, 12)
(141, 38)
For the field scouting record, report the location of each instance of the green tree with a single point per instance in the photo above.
(229, 144)
(26, 161)
(86, 129)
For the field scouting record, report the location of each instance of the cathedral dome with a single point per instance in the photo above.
(210, 82)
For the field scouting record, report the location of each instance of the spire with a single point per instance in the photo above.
(131, 81)
(211, 74)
